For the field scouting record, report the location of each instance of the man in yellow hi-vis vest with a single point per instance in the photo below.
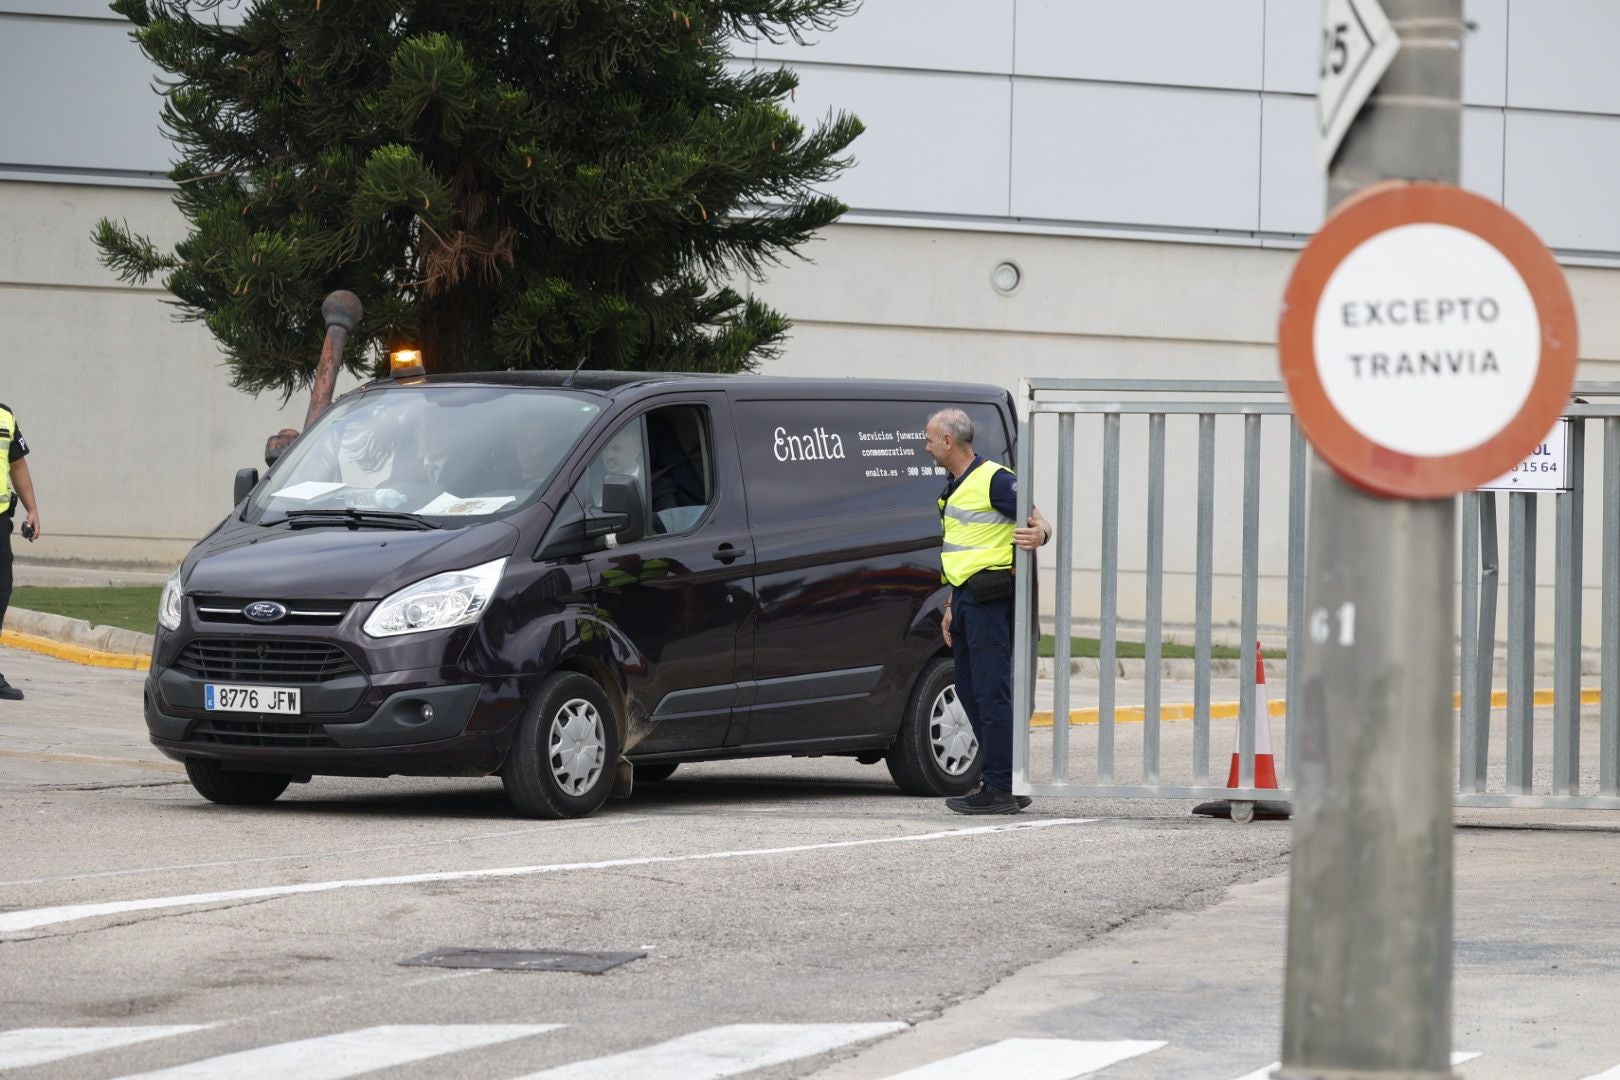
(15, 485)
(978, 511)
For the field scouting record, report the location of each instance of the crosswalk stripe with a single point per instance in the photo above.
(1606, 1074)
(22, 1047)
(1031, 1059)
(720, 1051)
(1456, 1059)
(349, 1053)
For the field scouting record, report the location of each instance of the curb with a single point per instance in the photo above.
(76, 640)
(1228, 710)
(1179, 669)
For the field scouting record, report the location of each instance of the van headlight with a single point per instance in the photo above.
(169, 605)
(434, 603)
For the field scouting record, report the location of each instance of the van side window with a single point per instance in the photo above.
(681, 476)
(666, 453)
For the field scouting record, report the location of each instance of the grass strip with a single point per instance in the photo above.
(132, 607)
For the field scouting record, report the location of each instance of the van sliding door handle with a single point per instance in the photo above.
(727, 554)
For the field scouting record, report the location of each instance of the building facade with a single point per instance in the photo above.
(1146, 171)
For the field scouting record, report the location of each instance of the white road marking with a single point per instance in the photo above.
(1606, 1074)
(1265, 1073)
(720, 1051)
(349, 1053)
(23, 1047)
(1031, 1059)
(566, 826)
(32, 918)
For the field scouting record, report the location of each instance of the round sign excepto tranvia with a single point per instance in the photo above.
(1427, 340)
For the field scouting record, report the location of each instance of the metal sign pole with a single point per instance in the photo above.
(1368, 984)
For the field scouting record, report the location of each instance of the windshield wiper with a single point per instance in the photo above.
(354, 519)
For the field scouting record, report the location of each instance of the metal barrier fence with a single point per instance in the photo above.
(1197, 412)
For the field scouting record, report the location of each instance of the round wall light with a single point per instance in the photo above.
(1005, 277)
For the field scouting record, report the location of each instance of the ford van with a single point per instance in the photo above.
(575, 583)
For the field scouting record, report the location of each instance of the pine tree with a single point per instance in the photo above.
(506, 183)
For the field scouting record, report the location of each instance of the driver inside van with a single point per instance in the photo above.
(620, 457)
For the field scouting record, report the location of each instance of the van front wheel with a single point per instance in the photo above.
(227, 787)
(936, 752)
(562, 763)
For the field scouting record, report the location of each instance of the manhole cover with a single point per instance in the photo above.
(590, 963)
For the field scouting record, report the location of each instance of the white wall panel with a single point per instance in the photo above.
(1560, 178)
(229, 12)
(1293, 46)
(935, 143)
(1293, 36)
(1485, 52)
(1136, 155)
(1293, 195)
(1176, 42)
(945, 35)
(71, 9)
(78, 95)
(1563, 55)
(1482, 145)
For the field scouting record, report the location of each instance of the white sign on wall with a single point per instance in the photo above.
(1358, 44)
(1546, 469)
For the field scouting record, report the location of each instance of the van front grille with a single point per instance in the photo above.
(229, 609)
(264, 660)
(259, 733)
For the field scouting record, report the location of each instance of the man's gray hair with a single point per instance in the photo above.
(955, 423)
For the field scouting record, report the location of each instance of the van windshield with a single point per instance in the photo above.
(447, 455)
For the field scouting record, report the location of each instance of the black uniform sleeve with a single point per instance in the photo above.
(1004, 493)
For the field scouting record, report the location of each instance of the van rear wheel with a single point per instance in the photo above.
(567, 747)
(936, 752)
(228, 787)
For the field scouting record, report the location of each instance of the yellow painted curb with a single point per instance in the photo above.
(1228, 710)
(78, 654)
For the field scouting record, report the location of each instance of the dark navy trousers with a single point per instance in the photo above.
(5, 565)
(981, 646)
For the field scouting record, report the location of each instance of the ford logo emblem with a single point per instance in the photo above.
(264, 611)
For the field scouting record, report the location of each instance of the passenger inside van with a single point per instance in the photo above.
(679, 484)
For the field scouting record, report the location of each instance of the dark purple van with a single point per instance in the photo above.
(573, 582)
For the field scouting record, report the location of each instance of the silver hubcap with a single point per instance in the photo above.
(955, 745)
(578, 746)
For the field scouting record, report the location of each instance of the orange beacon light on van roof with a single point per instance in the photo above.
(403, 363)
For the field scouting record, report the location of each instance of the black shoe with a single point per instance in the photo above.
(9, 692)
(1023, 801)
(987, 800)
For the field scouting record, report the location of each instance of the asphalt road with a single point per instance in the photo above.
(778, 892)
(799, 918)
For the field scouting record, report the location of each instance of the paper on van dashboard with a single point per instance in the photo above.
(307, 490)
(448, 505)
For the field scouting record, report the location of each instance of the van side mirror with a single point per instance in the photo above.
(246, 481)
(621, 498)
(605, 523)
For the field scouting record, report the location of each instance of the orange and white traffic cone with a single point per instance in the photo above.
(1265, 762)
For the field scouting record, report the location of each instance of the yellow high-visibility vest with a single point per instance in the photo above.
(977, 535)
(8, 434)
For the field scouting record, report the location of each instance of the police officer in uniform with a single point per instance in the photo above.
(978, 511)
(15, 485)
